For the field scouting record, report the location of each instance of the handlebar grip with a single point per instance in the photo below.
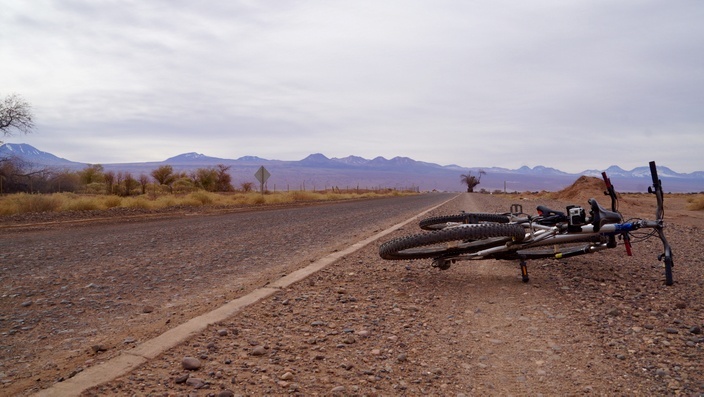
(654, 174)
(607, 181)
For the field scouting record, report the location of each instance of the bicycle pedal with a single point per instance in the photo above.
(442, 264)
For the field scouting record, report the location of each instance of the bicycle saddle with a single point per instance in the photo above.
(601, 216)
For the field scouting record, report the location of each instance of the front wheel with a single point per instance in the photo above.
(451, 241)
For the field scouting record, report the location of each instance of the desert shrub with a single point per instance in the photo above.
(81, 204)
(184, 185)
(696, 203)
(258, 199)
(112, 201)
(36, 202)
(202, 197)
(303, 196)
(95, 188)
(165, 202)
(136, 202)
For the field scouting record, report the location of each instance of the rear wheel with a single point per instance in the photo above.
(440, 222)
(451, 241)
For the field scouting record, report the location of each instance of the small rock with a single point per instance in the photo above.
(226, 393)
(181, 379)
(338, 389)
(671, 330)
(696, 330)
(348, 339)
(27, 303)
(191, 363)
(196, 383)
(98, 348)
(375, 352)
(614, 312)
(317, 323)
(147, 309)
(258, 350)
(222, 332)
(401, 357)
(286, 376)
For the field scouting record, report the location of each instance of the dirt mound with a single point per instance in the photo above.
(583, 188)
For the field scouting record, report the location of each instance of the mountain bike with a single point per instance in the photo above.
(516, 235)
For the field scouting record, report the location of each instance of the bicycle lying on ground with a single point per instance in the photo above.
(519, 236)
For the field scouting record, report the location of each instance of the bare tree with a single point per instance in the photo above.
(247, 186)
(109, 177)
(15, 114)
(470, 180)
(130, 183)
(144, 181)
(224, 182)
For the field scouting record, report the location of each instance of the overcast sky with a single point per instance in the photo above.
(573, 85)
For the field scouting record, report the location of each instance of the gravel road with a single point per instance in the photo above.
(602, 324)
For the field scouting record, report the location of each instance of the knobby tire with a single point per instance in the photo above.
(440, 222)
(451, 241)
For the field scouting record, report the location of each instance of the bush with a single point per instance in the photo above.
(201, 197)
(303, 196)
(112, 201)
(136, 202)
(696, 203)
(24, 202)
(258, 199)
(81, 204)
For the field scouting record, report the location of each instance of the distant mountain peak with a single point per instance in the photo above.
(31, 154)
(190, 157)
(352, 160)
(251, 158)
(315, 159)
(316, 156)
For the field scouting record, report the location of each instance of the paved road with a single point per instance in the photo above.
(75, 286)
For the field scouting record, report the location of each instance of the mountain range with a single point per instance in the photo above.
(318, 172)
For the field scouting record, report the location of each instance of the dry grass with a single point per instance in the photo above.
(696, 202)
(57, 202)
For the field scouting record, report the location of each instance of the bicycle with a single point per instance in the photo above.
(518, 236)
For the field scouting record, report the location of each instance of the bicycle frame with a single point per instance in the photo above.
(540, 236)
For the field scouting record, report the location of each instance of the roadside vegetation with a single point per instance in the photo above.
(25, 190)
(20, 203)
(696, 202)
